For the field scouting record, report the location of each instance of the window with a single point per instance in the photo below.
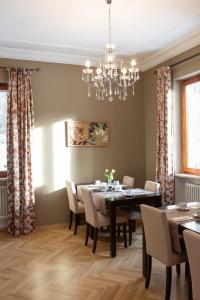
(3, 122)
(191, 125)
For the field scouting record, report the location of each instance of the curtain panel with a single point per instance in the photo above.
(164, 143)
(21, 201)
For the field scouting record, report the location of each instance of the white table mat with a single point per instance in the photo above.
(100, 197)
(176, 217)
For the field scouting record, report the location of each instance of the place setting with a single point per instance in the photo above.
(183, 212)
(182, 206)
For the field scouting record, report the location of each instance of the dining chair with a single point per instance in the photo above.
(158, 244)
(75, 207)
(135, 214)
(96, 220)
(127, 180)
(152, 186)
(192, 242)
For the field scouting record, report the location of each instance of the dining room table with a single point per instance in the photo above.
(107, 202)
(179, 219)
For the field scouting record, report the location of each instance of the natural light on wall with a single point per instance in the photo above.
(61, 156)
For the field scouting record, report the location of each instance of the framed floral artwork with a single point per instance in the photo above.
(87, 134)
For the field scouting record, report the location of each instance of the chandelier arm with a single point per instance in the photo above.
(128, 85)
(95, 87)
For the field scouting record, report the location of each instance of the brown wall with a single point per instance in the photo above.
(59, 95)
(149, 85)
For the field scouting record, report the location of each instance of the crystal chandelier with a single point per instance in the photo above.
(111, 77)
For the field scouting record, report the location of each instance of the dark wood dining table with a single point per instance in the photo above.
(129, 202)
(193, 225)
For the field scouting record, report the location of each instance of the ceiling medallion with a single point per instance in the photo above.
(111, 78)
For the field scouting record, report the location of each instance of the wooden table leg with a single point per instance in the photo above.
(112, 230)
(144, 254)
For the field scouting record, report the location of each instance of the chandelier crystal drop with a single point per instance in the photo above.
(111, 78)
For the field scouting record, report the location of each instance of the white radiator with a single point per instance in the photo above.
(3, 203)
(192, 192)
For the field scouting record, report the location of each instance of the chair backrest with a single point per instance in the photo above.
(127, 180)
(90, 208)
(152, 186)
(156, 229)
(71, 191)
(192, 241)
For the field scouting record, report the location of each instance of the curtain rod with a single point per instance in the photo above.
(35, 69)
(182, 61)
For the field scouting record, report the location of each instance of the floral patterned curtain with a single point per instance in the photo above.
(164, 146)
(21, 201)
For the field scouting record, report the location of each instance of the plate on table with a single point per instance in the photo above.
(196, 216)
(182, 209)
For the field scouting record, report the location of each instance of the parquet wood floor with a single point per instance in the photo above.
(53, 264)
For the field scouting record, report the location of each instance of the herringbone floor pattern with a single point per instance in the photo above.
(53, 264)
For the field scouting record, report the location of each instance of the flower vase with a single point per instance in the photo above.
(109, 181)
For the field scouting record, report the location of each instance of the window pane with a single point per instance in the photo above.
(193, 124)
(3, 121)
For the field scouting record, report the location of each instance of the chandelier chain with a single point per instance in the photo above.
(109, 17)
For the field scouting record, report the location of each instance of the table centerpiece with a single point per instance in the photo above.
(109, 175)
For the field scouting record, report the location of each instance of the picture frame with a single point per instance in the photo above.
(87, 134)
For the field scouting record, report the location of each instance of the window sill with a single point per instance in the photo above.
(189, 176)
(3, 179)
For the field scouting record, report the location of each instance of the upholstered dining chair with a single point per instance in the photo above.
(152, 186)
(75, 207)
(135, 214)
(158, 244)
(95, 219)
(192, 242)
(127, 180)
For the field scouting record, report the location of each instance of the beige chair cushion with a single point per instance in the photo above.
(105, 220)
(81, 208)
(158, 241)
(74, 205)
(90, 209)
(127, 180)
(192, 241)
(102, 220)
(95, 217)
(152, 186)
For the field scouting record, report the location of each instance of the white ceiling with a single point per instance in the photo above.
(71, 31)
